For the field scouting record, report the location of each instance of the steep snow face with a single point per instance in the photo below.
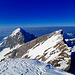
(28, 67)
(53, 51)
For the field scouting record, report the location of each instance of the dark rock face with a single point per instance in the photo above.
(20, 38)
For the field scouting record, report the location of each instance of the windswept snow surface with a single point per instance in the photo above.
(28, 67)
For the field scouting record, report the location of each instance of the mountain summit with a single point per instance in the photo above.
(15, 32)
(14, 41)
(18, 36)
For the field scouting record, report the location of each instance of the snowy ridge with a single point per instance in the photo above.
(15, 32)
(47, 44)
(28, 67)
(53, 51)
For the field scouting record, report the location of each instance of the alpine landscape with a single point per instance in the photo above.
(23, 52)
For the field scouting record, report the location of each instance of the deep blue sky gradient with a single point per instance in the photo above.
(37, 13)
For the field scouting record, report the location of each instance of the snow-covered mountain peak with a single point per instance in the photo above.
(15, 32)
(14, 41)
(18, 36)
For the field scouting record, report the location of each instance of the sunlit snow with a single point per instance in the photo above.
(28, 67)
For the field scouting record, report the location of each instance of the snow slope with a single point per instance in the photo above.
(6, 51)
(28, 67)
(52, 51)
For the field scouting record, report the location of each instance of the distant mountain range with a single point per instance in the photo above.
(54, 48)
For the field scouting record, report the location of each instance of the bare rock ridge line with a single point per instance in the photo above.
(49, 48)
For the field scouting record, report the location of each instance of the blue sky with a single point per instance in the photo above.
(37, 13)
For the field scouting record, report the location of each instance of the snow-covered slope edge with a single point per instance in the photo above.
(28, 67)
